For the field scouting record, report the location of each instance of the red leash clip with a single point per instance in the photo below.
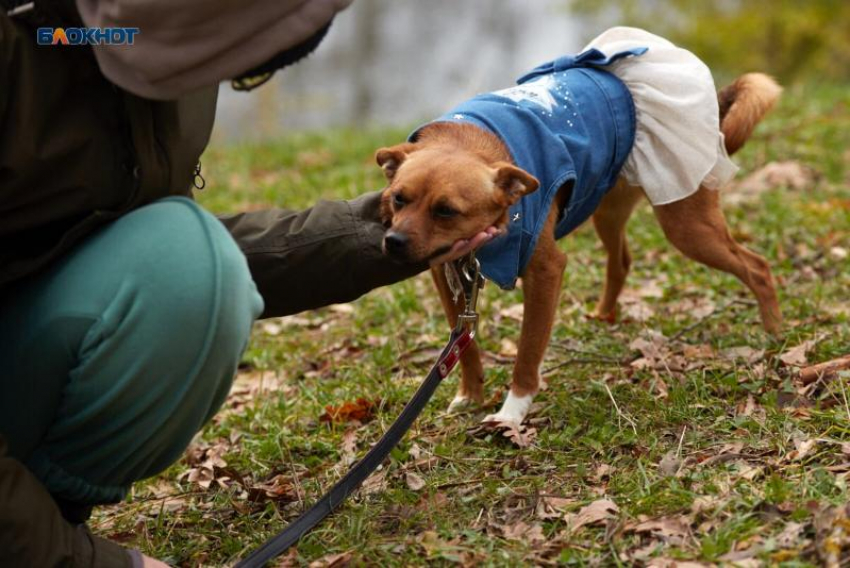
(464, 273)
(458, 346)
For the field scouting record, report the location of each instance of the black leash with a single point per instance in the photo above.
(466, 273)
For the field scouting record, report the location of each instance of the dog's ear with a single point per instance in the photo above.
(390, 159)
(513, 181)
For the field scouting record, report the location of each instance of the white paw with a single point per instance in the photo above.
(513, 410)
(460, 403)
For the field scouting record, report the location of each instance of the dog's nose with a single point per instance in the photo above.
(395, 243)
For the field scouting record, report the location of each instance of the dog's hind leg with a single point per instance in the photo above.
(610, 219)
(541, 287)
(697, 227)
(471, 387)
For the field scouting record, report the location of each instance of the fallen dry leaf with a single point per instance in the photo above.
(288, 560)
(201, 475)
(796, 356)
(361, 410)
(744, 352)
(521, 436)
(748, 407)
(349, 446)
(748, 472)
(791, 536)
(802, 448)
(702, 351)
(513, 312)
(602, 471)
(507, 348)
(639, 555)
(598, 511)
(725, 453)
(375, 483)
(251, 385)
(273, 326)
(667, 527)
(789, 174)
(341, 308)
(434, 546)
(549, 507)
(670, 563)
(339, 560)
(645, 289)
(704, 504)
(278, 488)
(832, 535)
(206, 461)
(651, 345)
(524, 532)
(650, 289)
(414, 481)
(670, 464)
(697, 308)
(743, 558)
(638, 311)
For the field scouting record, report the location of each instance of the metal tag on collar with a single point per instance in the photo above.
(467, 270)
(453, 280)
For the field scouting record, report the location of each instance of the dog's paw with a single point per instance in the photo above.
(604, 317)
(460, 403)
(513, 411)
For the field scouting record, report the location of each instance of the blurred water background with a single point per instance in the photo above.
(397, 62)
(388, 62)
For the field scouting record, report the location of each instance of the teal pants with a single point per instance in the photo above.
(115, 356)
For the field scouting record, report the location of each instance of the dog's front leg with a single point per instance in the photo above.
(541, 286)
(471, 388)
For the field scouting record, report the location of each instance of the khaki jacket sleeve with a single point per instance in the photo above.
(327, 254)
(33, 532)
(182, 46)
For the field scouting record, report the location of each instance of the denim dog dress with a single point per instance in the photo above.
(566, 121)
(631, 104)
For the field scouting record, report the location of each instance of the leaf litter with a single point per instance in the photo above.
(746, 459)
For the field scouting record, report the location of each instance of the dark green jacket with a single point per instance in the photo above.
(77, 152)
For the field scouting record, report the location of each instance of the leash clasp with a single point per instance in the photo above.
(464, 275)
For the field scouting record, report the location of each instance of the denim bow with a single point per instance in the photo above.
(587, 58)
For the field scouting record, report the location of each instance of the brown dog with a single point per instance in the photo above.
(458, 179)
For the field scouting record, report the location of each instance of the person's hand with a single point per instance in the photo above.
(148, 562)
(463, 247)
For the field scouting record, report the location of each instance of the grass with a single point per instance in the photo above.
(714, 438)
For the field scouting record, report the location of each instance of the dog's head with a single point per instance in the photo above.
(438, 194)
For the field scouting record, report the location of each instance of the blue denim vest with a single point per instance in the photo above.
(566, 121)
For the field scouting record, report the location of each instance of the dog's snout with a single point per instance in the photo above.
(395, 243)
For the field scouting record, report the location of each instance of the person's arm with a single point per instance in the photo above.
(327, 254)
(182, 46)
(34, 533)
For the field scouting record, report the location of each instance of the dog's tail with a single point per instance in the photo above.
(743, 104)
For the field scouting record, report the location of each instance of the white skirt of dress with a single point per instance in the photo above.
(678, 144)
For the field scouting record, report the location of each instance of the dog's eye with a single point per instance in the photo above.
(398, 200)
(444, 212)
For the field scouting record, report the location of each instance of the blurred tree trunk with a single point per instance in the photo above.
(367, 14)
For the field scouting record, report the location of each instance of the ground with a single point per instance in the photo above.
(680, 433)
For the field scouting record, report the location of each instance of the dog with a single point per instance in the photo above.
(456, 178)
